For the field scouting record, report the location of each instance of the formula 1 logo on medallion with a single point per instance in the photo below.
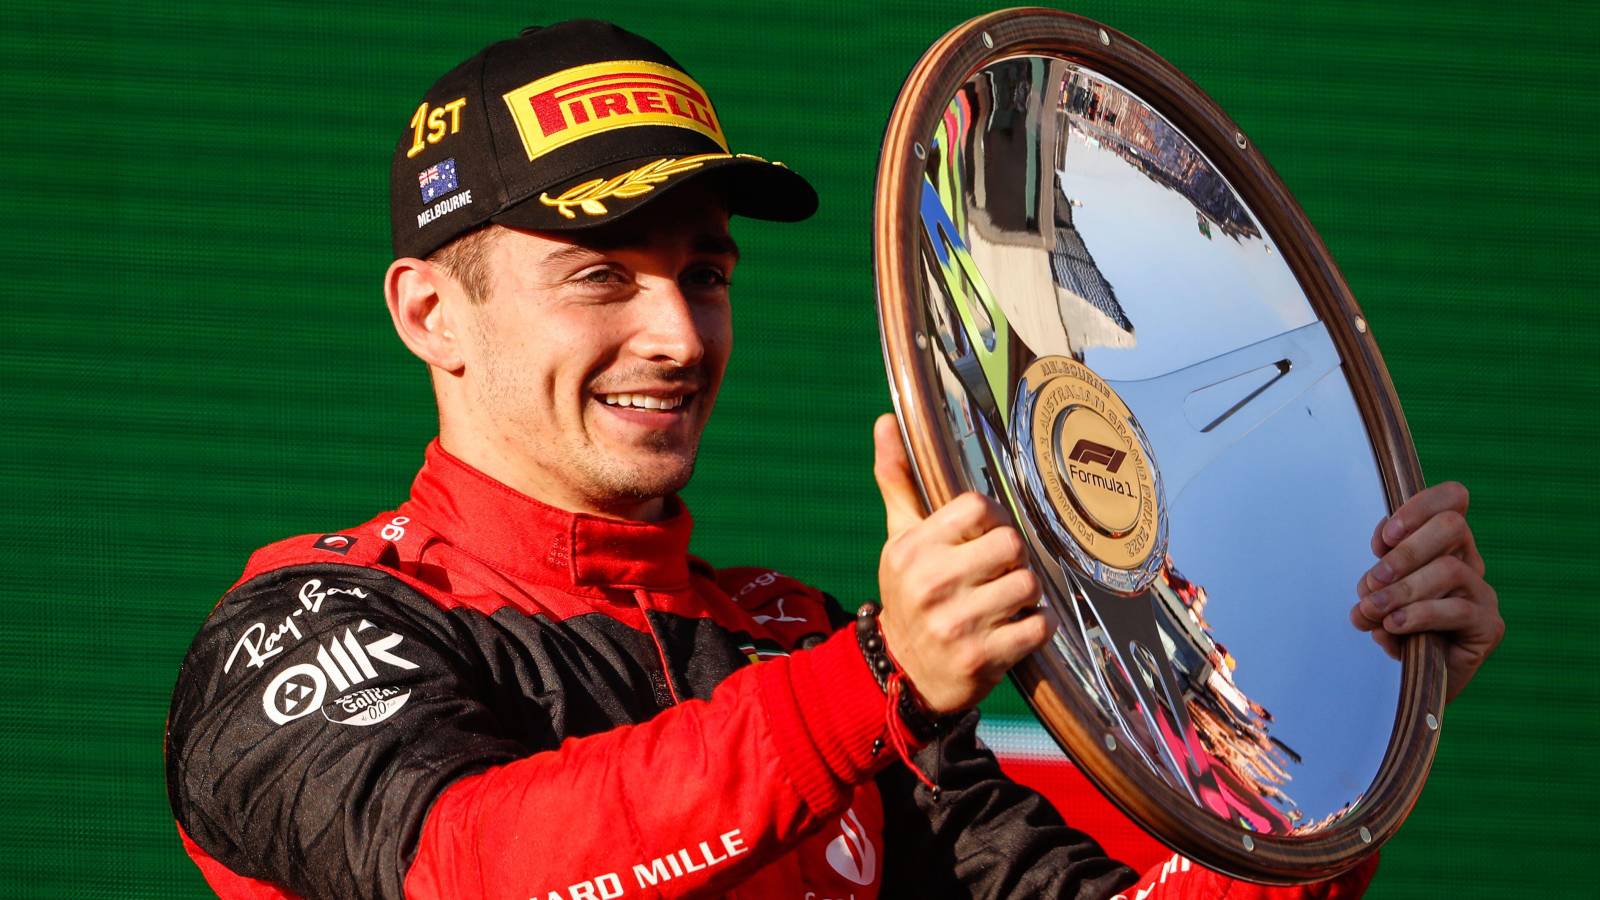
(1087, 451)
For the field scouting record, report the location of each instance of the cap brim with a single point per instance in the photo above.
(754, 187)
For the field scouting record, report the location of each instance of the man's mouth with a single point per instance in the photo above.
(644, 401)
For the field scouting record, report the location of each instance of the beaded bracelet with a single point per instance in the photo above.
(922, 725)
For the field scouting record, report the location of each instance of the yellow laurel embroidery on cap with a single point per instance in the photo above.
(632, 183)
(771, 162)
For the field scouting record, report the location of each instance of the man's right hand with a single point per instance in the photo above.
(952, 585)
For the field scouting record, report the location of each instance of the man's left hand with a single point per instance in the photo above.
(1429, 577)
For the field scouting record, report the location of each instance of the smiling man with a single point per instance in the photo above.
(580, 373)
(520, 684)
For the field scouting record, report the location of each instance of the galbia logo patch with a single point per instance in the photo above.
(851, 853)
(346, 663)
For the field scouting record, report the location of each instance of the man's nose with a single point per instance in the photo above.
(668, 329)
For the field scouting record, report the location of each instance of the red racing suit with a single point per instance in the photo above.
(477, 695)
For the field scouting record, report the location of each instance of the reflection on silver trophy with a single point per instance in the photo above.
(1109, 339)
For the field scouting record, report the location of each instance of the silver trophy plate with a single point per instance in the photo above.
(1102, 308)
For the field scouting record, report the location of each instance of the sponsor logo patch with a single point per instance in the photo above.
(260, 643)
(780, 617)
(294, 694)
(765, 579)
(395, 528)
(575, 103)
(344, 662)
(335, 543)
(366, 706)
(852, 853)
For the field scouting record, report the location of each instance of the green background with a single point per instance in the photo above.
(196, 358)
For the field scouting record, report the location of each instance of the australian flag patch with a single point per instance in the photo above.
(437, 180)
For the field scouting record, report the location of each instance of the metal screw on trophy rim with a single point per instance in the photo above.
(1361, 324)
(919, 151)
(1249, 844)
(1433, 722)
(1238, 140)
(988, 41)
(1105, 38)
(1111, 742)
(922, 341)
(1366, 836)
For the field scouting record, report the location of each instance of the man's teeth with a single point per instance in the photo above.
(642, 401)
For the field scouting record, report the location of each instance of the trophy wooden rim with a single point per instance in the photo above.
(897, 268)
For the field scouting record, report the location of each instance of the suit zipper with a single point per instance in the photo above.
(671, 698)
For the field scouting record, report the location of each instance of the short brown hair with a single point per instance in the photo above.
(466, 259)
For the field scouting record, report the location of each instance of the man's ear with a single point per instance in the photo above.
(423, 303)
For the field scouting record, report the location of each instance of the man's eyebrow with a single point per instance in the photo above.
(712, 243)
(717, 244)
(570, 253)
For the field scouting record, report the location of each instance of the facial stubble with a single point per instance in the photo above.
(599, 475)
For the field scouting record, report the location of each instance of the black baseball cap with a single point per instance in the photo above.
(567, 126)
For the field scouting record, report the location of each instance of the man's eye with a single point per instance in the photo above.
(601, 276)
(706, 277)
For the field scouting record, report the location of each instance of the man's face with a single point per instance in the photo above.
(593, 363)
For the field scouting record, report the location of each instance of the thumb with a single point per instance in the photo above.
(901, 501)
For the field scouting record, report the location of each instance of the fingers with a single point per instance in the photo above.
(975, 544)
(1430, 578)
(1000, 600)
(968, 516)
(958, 598)
(1446, 596)
(1389, 642)
(991, 554)
(989, 607)
(1379, 548)
(1449, 614)
(1443, 576)
(902, 503)
(1449, 496)
(1445, 533)
(1010, 643)
(1474, 627)
(961, 547)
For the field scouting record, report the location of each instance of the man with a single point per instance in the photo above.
(519, 684)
